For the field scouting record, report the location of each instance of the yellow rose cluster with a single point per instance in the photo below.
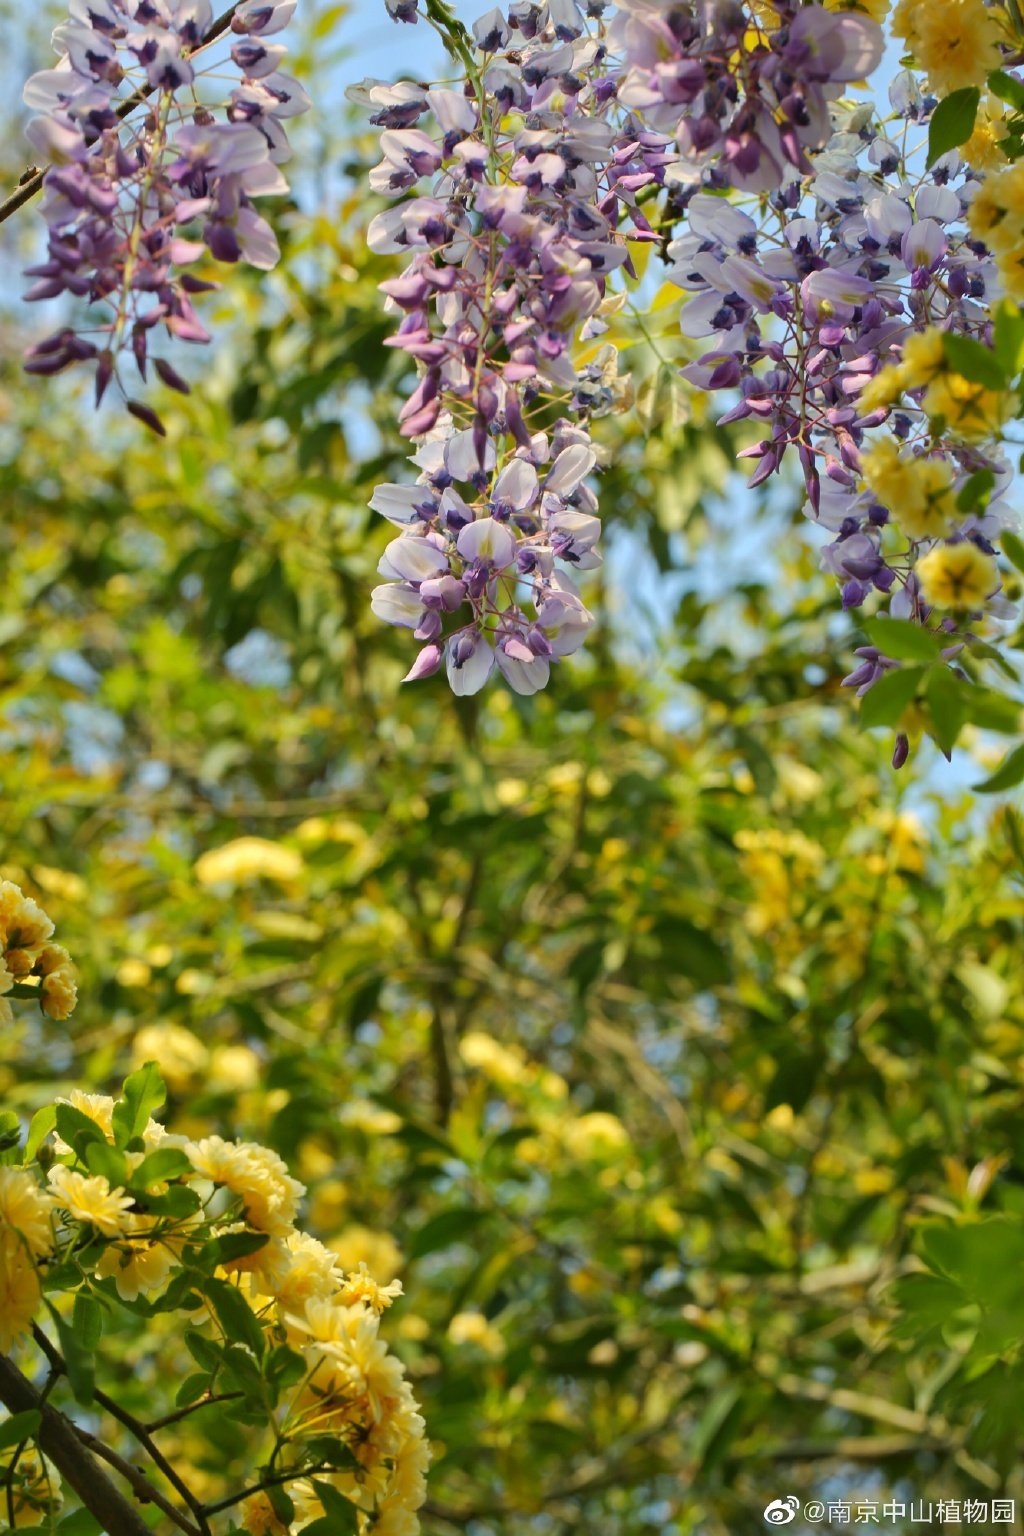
(958, 407)
(917, 490)
(955, 42)
(28, 958)
(173, 1202)
(996, 216)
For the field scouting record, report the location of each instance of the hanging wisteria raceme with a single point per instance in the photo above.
(831, 277)
(510, 255)
(152, 168)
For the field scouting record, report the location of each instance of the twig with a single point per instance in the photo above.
(190, 1408)
(277, 1481)
(137, 1480)
(138, 1431)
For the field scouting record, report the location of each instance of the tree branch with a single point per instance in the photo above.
(61, 1442)
(137, 1481)
(139, 1432)
(31, 180)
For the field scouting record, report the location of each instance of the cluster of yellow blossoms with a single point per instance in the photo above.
(351, 1388)
(918, 488)
(27, 956)
(996, 216)
(955, 42)
(958, 407)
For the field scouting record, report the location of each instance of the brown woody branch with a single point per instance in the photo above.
(142, 1434)
(61, 1442)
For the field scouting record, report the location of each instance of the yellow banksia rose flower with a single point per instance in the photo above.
(89, 1198)
(924, 355)
(23, 923)
(473, 1328)
(378, 1251)
(137, 1262)
(246, 859)
(309, 1270)
(996, 216)
(982, 151)
(31, 1494)
(259, 1519)
(917, 491)
(25, 1211)
(233, 1069)
(957, 576)
(968, 410)
(360, 1288)
(594, 1136)
(182, 1055)
(502, 1064)
(884, 390)
(956, 42)
(255, 1174)
(20, 1291)
(370, 1118)
(58, 990)
(26, 953)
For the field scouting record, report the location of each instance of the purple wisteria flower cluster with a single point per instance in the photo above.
(804, 298)
(151, 168)
(813, 248)
(510, 253)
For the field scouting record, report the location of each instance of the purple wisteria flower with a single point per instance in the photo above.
(809, 251)
(151, 169)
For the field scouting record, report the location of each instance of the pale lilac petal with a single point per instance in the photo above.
(487, 540)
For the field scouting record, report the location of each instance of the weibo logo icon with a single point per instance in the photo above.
(782, 1511)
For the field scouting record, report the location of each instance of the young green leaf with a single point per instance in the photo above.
(1009, 773)
(904, 641)
(42, 1123)
(889, 697)
(19, 1427)
(1013, 548)
(340, 1511)
(948, 707)
(164, 1163)
(976, 489)
(1007, 87)
(976, 363)
(87, 1320)
(143, 1092)
(1008, 335)
(235, 1315)
(76, 1129)
(103, 1159)
(953, 121)
(78, 1359)
(230, 1245)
